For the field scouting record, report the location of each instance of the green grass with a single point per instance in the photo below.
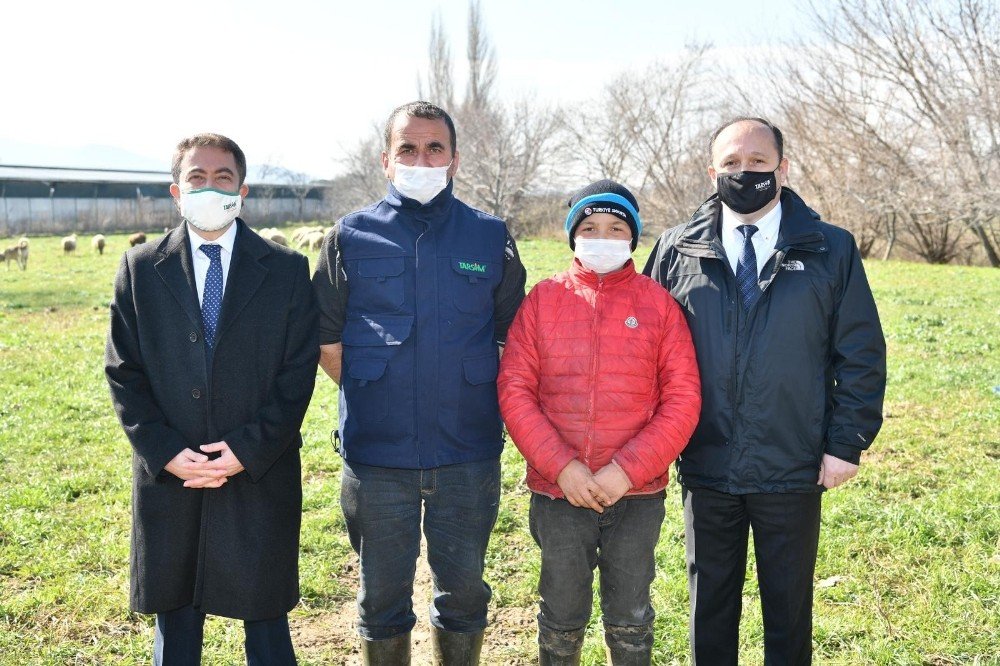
(914, 540)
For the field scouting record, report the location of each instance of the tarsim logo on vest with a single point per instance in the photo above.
(471, 266)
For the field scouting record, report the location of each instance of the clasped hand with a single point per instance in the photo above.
(593, 491)
(198, 471)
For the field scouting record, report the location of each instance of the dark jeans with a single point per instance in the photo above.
(178, 637)
(382, 507)
(621, 542)
(785, 536)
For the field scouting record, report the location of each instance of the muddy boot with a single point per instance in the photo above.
(393, 651)
(560, 648)
(454, 649)
(629, 646)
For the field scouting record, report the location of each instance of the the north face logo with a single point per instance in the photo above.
(793, 265)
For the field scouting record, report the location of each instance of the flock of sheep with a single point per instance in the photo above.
(303, 237)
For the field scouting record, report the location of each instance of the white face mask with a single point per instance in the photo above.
(603, 255)
(209, 209)
(420, 183)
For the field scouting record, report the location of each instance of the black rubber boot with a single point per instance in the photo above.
(629, 646)
(454, 649)
(393, 651)
(560, 648)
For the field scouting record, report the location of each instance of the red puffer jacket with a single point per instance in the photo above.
(599, 369)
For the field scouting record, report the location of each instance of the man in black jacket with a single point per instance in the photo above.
(792, 362)
(211, 359)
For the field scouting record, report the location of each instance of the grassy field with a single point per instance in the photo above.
(909, 565)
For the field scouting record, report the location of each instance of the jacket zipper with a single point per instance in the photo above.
(595, 354)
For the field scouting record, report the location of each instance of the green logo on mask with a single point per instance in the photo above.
(470, 266)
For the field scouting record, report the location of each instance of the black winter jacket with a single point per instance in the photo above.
(801, 374)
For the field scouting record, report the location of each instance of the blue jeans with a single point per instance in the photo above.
(621, 542)
(382, 507)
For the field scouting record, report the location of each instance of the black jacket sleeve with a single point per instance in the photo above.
(330, 287)
(510, 292)
(154, 441)
(857, 349)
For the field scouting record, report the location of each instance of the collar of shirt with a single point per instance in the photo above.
(763, 240)
(201, 261)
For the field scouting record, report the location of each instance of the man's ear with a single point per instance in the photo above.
(783, 167)
(386, 163)
(712, 174)
(244, 190)
(454, 165)
(175, 191)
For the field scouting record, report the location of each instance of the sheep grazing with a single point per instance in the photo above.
(273, 235)
(313, 241)
(299, 235)
(69, 244)
(97, 242)
(17, 253)
(137, 238)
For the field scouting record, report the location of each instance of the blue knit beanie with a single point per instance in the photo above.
(604, 196)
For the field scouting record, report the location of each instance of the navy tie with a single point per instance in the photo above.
(211, 300)
(746, 268)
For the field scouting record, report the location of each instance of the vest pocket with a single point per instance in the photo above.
(382, 280)
(479, 417)
(368, 394)
(472, 290)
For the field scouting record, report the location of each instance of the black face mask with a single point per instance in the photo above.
(747, 192)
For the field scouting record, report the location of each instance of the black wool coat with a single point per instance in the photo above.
(230, 551)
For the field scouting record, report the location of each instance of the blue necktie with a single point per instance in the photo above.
(746, 269)
(211, 299)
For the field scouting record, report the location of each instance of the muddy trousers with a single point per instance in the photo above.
(621, 544)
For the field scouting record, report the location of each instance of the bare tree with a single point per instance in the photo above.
(363, 180)
(647, 130)
(904, 96)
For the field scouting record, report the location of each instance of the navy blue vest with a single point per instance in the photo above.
(420, 359)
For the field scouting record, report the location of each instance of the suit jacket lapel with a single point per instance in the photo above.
(176, 269)
(246, 274)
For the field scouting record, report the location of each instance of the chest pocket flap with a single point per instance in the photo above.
(383, 330)
(474, 270)
(380, 269)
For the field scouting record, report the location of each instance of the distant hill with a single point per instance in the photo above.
(90, 157)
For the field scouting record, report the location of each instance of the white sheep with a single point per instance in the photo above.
(69, 244)
(97, 242)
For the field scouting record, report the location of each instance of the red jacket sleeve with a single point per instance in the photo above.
(648, 455)
(532, 432)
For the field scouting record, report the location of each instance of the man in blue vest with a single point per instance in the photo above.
(416, 293)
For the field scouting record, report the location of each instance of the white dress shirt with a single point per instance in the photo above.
(201, 261)
(763, 241)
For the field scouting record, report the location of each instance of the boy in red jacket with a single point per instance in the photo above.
(600, 392)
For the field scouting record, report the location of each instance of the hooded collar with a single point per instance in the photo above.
(798, 229)
(582, 275)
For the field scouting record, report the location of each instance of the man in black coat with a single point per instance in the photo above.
(211, 358)
(792, 363)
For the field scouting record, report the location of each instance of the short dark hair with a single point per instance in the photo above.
(420, 109)
(779, 140)
(212, 141)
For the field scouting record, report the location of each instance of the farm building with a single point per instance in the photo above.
(53, 200)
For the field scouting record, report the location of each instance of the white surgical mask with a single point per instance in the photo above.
(603, 255)
(210, 209)
(420, 183)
